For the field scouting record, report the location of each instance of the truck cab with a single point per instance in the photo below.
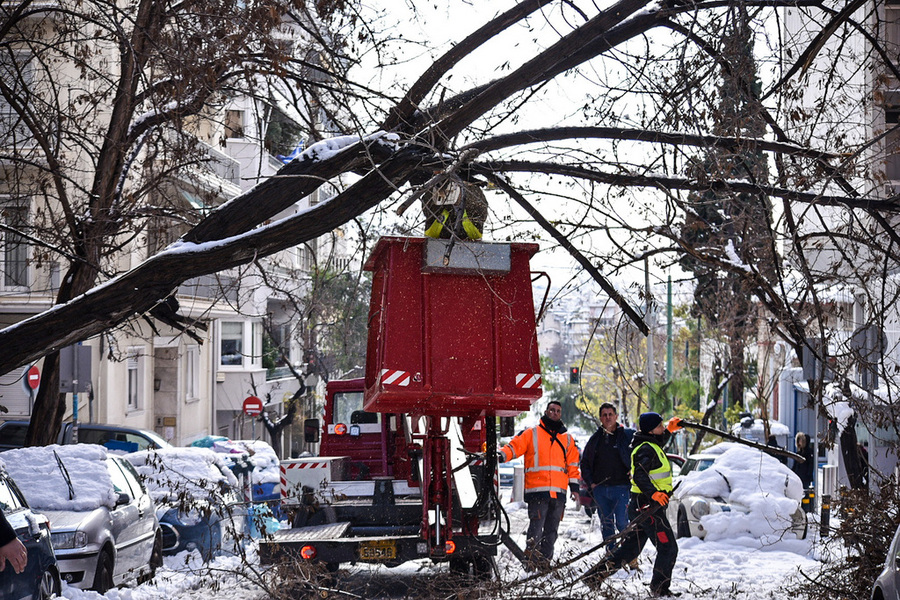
(367, 439)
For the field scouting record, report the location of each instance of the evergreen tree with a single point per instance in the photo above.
(736, 223)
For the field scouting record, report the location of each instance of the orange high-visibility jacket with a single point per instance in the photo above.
(550, 465)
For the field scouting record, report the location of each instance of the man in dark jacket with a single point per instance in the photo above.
(605, 467)
(11, 549)
(651, 476)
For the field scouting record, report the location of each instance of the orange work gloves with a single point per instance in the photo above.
(661, 498)
(674, 424)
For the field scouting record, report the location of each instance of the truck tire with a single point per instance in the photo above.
(474, 566)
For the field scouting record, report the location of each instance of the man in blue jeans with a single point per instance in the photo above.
(605, 466)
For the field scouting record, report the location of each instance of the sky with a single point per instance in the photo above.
(737, 561)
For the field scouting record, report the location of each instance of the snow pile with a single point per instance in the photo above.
(266, 466)
(260, 455)
(38, 474)
(746, 477)
(172, 473)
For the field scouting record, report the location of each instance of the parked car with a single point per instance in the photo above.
(754, 492)
(677, 461)
(887, 584)
(199, 503)
(114, 437)
(104, 526)
(40, 579)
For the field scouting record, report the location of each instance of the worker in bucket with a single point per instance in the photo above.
(455, 208)
(551, 466)
(651, 486)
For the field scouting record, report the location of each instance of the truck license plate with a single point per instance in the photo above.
(378, 550)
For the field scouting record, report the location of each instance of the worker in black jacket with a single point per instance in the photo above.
(651, 477)
(605, 466)
(11, 549)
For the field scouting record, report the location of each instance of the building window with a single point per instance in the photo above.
(14, 217)
(191, 373)
(234, 124)
(17, 72)
(135, 377)
(232, 343)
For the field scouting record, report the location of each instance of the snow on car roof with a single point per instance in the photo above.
(167, 472)
(37, 473)
(265, 462)
(751, 478)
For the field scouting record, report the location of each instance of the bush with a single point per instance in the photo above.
(868, 522)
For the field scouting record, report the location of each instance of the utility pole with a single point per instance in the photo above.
(670, 358)
(650, 324)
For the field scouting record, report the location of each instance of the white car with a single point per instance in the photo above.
(887, 585)
(731, 490)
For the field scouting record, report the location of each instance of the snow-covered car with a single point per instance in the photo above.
(104, 526)
(198, 501)
(887, 584)
(40, 579)
(754, 430)
(731, 490)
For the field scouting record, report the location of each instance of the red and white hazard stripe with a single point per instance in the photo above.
(528, 381)
(298, 465)
(394, 377)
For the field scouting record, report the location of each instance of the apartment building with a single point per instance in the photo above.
(242, 323)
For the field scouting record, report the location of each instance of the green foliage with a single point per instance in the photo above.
(282, 135)
(669, 395)
(339, 312)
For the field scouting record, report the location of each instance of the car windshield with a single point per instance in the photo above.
(696, 463)
(9, 501)
(121, 439)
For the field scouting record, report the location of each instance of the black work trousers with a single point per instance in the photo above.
(657, 529)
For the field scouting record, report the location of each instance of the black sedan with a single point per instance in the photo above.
(40, 579)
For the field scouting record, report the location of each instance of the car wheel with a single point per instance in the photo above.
(103, 578)
(49, 585)
(683, 527)
(156, 557)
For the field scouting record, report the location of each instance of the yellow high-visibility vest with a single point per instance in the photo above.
(434, 231)
(661, 476)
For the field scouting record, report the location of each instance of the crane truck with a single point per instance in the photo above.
(407, 461)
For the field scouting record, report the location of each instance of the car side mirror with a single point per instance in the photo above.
(507, 426)
(311, 431)
(123, 499)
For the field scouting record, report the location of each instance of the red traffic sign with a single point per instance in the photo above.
(253, 406)
(33, 377)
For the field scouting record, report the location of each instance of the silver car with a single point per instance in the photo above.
(887, 585)
(97, 545)
(686, 510)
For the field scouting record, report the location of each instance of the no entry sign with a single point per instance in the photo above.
(33, 378)
(253, 406)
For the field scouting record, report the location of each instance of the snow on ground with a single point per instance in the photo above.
(730, 565)
(735, 569)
